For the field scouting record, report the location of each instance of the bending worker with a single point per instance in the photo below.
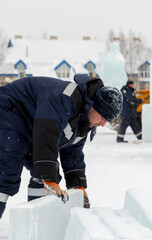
(44, 118)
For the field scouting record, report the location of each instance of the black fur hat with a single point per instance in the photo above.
(130, 82)
(108, 102)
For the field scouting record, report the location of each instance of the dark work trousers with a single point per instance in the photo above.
(13, 149)
(133, 123)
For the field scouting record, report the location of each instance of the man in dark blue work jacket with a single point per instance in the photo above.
(41, 118)
(129, 112)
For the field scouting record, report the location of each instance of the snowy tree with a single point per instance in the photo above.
(136, 52)
(122, 43)
(44, 34)
(3, 46)
(134, 49)
(110, 38)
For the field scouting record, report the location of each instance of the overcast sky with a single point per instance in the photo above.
(72, 19)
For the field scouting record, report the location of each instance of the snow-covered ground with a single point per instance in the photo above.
(112, 169)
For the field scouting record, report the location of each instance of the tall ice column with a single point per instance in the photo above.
(147, 116)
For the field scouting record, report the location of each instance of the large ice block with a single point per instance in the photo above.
(49, 218)
(139, 204)
(104, 224)
(44, 218)
(147, 123)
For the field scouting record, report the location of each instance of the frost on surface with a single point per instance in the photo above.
(131, 223)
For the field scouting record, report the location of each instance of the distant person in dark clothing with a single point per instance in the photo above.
(129, 114)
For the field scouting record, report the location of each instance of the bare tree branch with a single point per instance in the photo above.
(134, 49)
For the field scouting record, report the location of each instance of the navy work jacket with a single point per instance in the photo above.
(130, 102)
(52, 115)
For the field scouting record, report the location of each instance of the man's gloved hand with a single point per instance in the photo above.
(86, 202)
(140, 101)
(54, 188)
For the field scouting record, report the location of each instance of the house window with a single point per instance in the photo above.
(21, 74)
(142, 86)
(63, 71)
(91, 70)
(144, 72)
(21, 70)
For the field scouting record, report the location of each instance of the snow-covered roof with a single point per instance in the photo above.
(41, 57)
(146, 62)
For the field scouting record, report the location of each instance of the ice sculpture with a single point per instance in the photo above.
(112, 67)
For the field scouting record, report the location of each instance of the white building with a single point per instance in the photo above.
(50, 57)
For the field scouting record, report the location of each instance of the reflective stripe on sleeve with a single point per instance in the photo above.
(138, 134)
(70, 89)
(68, 131)
(3, 197)
(120, 135)
(77, 140)
(36, 192)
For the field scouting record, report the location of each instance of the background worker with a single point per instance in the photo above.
(128, 114)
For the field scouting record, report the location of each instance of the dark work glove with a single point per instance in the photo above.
(140, 101)
(86, 202)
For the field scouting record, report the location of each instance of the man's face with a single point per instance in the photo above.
(131, 85)
(95, 119)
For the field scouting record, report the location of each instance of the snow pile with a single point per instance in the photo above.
(43, 218)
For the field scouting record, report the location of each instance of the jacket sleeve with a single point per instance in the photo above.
(50, 119)
(130, 97)
(72, 160)
(46, 134)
